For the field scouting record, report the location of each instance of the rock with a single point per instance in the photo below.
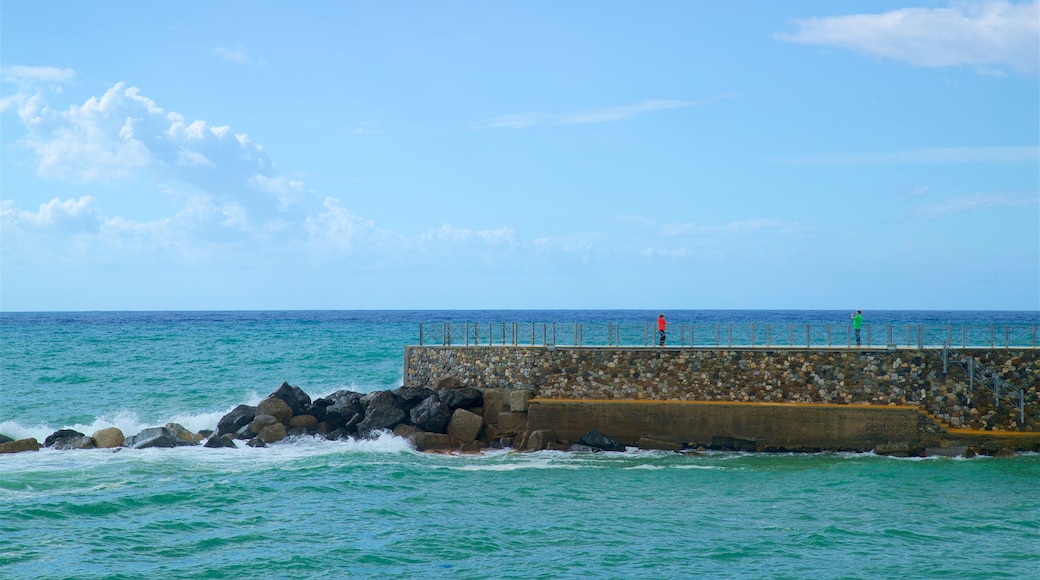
(299, 402)
(600, 441)
(431, 415)
(308, 423)
(276, 408)
(406, 431)
(494, 403)
(383, 412)
(108, 438)
(412, 396)
(272, 433)
(540, 439)
(181, 433)
(898, 449)
(153, 437)
(951, 451)
(658, 444)
(239, 417)
(222, 441)
(260, 421)
(5, 439)
(62, 437)
(462, 398)
(464, 425)
(256, 442)
(424, 441)
(518, 400)
(17, 446)
(343, 408)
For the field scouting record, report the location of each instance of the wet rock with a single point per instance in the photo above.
(182, 434)
(238, 418)
(272, 433)
(462, 398)
(431, 415)
(464, 425)
(412, 396)
(20, 445)
(307, 423)
(383, 412)
(277, 408)
(343, 408)
(260, 421)
(598, 440)
(153, 437)
(62, 438)
(109, 438)
(5, 439)
(222, 441)
(256, 442)
(299, 402)
(540, 439)
(424, 441)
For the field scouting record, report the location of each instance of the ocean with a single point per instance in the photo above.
(308, 508)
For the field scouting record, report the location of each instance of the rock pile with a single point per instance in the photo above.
(449, 417)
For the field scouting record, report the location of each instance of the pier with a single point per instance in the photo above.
(793, 387)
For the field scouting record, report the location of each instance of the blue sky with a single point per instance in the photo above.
(661, 155)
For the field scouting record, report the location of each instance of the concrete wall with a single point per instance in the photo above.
(847, 377)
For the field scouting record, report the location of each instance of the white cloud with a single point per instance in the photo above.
(36, 74)
(71, 215)
(977, 202)
(336, 227)
(523, 120)
(977, 34)
(1024, 154)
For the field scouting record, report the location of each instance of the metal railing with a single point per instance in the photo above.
(719, 334)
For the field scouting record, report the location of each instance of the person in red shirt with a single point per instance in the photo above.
(661, 327)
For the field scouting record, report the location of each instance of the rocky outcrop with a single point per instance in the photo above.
(108, 438)
(238, 418)
(153, 437)
(68, 439)
(597, 440)
(431, 415)
(276, 408)
(20, 445)
(383, 412)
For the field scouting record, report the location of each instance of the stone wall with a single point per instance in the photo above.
(846, 376)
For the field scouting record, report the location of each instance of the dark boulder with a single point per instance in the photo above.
(298, 400)
(62, 437)
(153, 437)
(462, 398)
(5, 439)
(239, 417)
(600, 441)
(222, 441)
(343, 409)
(431, 415)
(383, 412)
(256, 442)
(412, 396)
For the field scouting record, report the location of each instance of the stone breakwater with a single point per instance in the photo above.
(447, 417)
(960, 397)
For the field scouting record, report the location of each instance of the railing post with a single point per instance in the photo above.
(491, 333)
(868, 335)
(532, 334)
(447, 333)
(467, 334)
(420, 334)
(503, 333)
(829, 342)
(682, 335)
(992, 337)
(752, 334)
(554, 334)
(920, 336)
(808, 336)
(1007, 337)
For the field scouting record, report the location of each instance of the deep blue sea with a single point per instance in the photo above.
(309, 508)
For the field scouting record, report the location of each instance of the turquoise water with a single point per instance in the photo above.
(315, 509)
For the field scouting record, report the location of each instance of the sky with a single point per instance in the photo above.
(236, 155)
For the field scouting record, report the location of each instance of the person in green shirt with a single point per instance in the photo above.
(857, 324)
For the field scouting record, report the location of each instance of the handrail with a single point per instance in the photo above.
(740, 335)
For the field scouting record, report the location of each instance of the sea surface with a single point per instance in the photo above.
(308, 508)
